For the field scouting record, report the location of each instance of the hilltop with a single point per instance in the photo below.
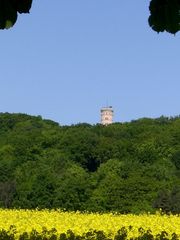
(124, 167)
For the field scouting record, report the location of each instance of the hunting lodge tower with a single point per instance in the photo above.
(107, 115)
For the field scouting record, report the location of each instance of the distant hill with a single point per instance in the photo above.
(124, 167)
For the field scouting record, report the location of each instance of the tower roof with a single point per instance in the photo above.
(107, 109)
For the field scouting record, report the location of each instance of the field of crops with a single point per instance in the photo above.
(26, 224)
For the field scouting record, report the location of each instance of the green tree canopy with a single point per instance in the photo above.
(123, 167)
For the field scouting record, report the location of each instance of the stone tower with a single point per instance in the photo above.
(107, 115)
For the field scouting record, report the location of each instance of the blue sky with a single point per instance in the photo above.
(69, 58)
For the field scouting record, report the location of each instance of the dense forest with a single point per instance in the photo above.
(129, 167)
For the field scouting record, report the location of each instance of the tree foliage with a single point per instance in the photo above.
(9, 10)
(164, 14)
(123, 167)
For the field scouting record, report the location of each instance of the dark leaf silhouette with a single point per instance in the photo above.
(9, 10)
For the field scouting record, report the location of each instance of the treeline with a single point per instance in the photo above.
(124, 167)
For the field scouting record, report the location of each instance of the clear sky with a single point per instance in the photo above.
(69, 58)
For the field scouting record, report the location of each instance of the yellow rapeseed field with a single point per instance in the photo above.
(79, 223)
